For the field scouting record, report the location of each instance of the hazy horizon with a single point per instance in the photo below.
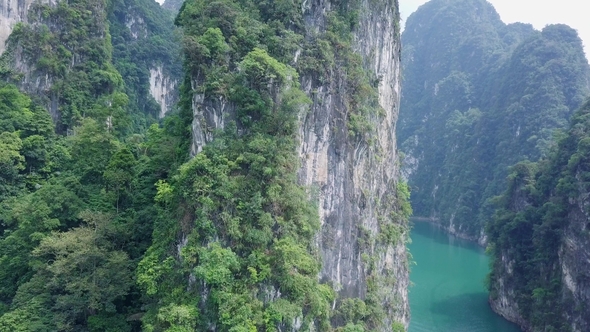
(538, 13)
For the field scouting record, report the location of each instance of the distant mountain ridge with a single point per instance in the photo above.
(478, 96)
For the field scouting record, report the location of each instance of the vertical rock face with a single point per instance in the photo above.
(34, 79)
(354, 181)
(11, 12)
(141, 25)
(506, 274)
(540, 238)
(505, 304)
(163, 88)
(574, 259)
(136, 25)
(564, 274)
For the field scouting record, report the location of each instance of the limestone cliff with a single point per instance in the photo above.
(163, 89)
(11, 13)
(142, 25)
(540, 238)
(356, 181)
(479, 96)
(51, 48)
(353, 176)
(574, 262)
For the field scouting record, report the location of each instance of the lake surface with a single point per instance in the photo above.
(448, 294)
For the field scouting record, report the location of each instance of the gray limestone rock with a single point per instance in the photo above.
(354, 182)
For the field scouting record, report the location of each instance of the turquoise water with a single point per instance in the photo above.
(448, 294)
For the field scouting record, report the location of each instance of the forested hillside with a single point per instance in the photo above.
(294, 174)
(540, 237)
(80, 151)
(254, 188)
(479, 96)
(495, 138)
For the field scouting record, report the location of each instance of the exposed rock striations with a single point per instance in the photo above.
(348, 158)
(356, 180)
(163, 89)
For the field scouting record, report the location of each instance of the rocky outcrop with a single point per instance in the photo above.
(354, 181)
(11, 13)
(574, 263)
(571, 267)
(163, 89)
(504, 302)
(136, 25)
(540, 238)
(146, 40)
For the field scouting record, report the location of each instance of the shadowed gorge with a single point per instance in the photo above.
(479, 96)
(493, 128)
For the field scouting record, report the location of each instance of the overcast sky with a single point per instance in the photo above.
(537, 12)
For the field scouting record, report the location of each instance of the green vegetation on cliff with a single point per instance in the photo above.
(144, 38)
(106, 224)
(529, 233)
(77, 210)
(73, 55)
(478, 97)
(234, 222)
(92, 59)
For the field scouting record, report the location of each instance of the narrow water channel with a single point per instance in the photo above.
(448, 294)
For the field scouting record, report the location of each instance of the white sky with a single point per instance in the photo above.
(539, 13)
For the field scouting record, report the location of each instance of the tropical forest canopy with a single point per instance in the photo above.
(95, 189)
(478, 96)
(494, 125)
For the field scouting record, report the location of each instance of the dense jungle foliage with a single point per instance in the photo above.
(91, 62)
(77, 210)
(529, 224)
(246, 259)
(107, 224)
(479, 96)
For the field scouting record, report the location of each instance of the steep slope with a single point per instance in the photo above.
(286, 104)
(56, 48)
(11, 13)
(77, 161)
(480, 96)
(540, 238)
(146, 51)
